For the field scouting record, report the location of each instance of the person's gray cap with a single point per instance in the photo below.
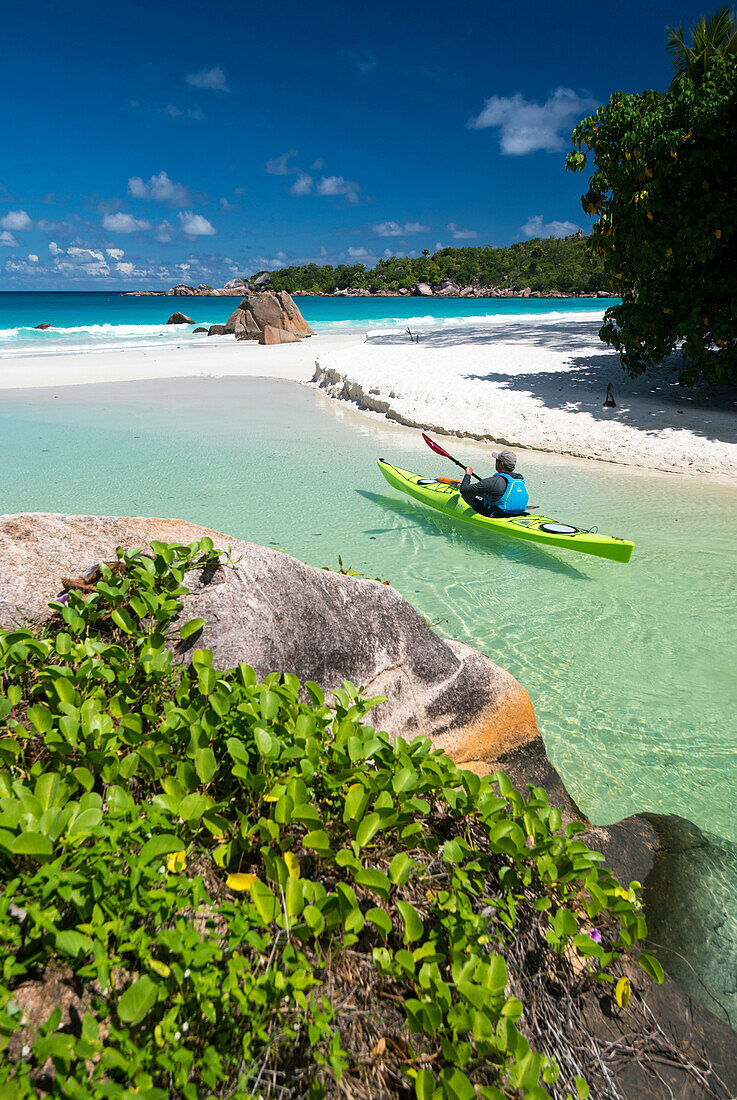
(507, 458)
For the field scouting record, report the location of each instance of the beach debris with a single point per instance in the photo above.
(609, 402)
(180, 319)
(413, 339)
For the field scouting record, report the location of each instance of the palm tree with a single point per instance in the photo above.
(711, 37)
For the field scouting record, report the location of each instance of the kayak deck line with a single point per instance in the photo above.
(532, 528)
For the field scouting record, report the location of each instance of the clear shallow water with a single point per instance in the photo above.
(95, 321)
(631, 669)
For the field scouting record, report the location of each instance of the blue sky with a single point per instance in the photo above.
(151, 143)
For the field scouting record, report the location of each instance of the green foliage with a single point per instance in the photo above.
(664, 188)
(568, 265)
(712, 36)
(198, 858)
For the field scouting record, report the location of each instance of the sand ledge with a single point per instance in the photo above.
(541, 386)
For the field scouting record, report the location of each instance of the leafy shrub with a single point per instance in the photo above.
(228, 887)
(663, 189)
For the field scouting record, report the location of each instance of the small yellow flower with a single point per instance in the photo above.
(718, 234)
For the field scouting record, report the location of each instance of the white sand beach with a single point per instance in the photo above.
(540, 384)
(536, 383)
(215, 356)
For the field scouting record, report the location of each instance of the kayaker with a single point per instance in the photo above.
(504, 494)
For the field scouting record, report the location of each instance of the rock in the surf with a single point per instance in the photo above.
(216, 330)
(44, 326)
(180, 319)
(272, 335)
(257, 312)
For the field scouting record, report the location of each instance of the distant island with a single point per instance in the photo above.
(551, 268)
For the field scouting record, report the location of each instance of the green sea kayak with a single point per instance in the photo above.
(530, 526)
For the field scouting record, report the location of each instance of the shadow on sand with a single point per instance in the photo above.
(650, 403)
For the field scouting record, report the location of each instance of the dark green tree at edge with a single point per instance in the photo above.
(664, 188)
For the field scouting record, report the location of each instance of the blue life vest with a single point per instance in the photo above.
(515, 499)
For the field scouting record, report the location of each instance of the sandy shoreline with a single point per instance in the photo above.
(538, 385)
(529, 383)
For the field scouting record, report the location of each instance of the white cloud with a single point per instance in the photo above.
(163, 233)
(323, 250)
(460, 234)
(171, 111)
(115, 253)
(15, 219)
(526, 126)
(88, 255)
(124, 223)
(194, 225)
(317, 164)
(228, 207)
(159, 189)
(7, 239)
(394, 229)
(33, 257)
(336, 185)
(124, 268)
(280, 166)
(54, 249)
(536, 227)
(213, 78)
(439, 245)
(302, 185)
(358, 253)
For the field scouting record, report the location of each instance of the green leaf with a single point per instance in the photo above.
(319, 841)
(368, 829)
(652, 967)
(122, 619)
(264, 741)
(424, 1085)
(413, 927)
(192, 626)
(400, 868)
(160, 845)
(380, 919)
(453, 851)
(33, 844)
(374, 880)
(138, 1000)
(205, 764)
(40, 718)
(73, 943)
(582, 1088)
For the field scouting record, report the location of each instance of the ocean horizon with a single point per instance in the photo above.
(84, 321)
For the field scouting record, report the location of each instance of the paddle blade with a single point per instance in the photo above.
(436, 447)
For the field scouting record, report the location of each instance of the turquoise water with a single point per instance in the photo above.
(630, 668)
(95, 321)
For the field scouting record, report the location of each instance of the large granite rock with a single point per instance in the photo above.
(272, 335)
(278, 614)
(421, 290)
(180, 319)
(257, 312)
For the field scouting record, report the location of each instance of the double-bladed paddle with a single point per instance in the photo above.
(439, 451)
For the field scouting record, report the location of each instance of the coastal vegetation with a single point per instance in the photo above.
(214, 886)
(664, 191)
(568, 265)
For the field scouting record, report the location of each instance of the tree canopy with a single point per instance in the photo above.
(566, 264)
(711, 37)
(664, 189)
